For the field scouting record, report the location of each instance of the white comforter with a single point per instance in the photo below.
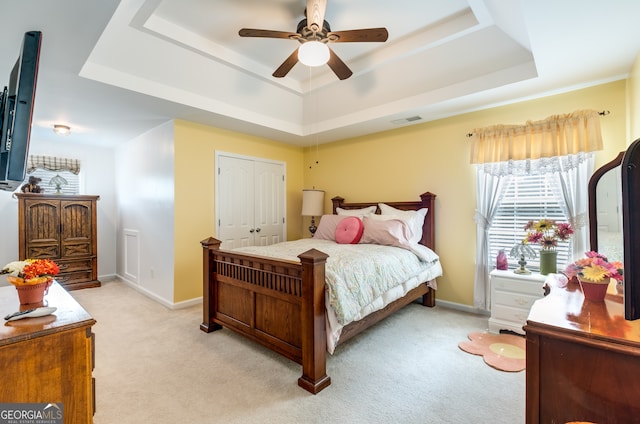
(357, 287)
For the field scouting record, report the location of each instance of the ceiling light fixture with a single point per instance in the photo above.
(313, 53)
(61, 129)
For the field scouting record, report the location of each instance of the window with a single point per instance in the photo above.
(526, 198)
(72, 186)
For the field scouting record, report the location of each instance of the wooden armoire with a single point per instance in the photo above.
(63, 228)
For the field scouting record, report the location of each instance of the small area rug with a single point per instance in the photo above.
(504, 352)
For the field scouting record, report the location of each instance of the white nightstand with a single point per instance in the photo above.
(511, 298)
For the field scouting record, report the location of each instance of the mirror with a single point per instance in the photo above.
(625, 169)
(605, 210)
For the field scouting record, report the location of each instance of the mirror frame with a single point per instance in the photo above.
(593, 204)
(631, 230)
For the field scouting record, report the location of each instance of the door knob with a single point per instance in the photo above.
(251, 230)
(257, 230)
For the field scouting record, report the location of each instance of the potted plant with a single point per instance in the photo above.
(31, 277)
(594, 273)
(547, 233)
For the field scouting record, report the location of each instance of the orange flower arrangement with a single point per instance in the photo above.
(30, 271)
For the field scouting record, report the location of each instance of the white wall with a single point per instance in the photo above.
(97, 174)
(145, 228)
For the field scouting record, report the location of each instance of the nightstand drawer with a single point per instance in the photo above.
(533, 288)
(507, 313)
(514, 300)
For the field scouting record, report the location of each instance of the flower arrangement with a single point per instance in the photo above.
(595, 267)
(547, 233)
(30, 271)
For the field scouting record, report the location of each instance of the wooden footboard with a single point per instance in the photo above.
(279, 304)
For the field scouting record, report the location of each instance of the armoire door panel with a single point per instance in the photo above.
(76, 221)
(70, 250)
(40, 250)
(43, 222)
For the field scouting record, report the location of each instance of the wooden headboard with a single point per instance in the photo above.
(427, 200)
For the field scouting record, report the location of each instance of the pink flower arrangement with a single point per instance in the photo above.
(595, 267)
(547, 233)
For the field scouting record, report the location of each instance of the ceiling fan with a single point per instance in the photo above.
(315, 28)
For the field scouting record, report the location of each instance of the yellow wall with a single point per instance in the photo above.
(401, 164)
(634, 101)
(195, 147)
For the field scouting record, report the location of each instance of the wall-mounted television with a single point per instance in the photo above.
(16, 112)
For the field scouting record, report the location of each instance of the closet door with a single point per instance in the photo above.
(269, 203)
(235, 202)
(250, 201)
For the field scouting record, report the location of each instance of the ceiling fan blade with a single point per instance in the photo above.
(359, 35)
(338, 67)
(315, 14)
(287, 65)
(266, 33)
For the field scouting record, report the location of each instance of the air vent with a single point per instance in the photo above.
(406, 120)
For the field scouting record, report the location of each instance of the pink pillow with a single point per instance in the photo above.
(391, 232)
(349, 230)
(327, 227)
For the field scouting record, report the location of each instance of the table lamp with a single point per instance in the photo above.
(312, 205)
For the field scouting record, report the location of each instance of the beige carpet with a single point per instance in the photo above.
(154, 365)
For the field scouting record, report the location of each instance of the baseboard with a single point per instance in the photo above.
(108, 277)
(198, 300)
(461, 307)
(161, 300)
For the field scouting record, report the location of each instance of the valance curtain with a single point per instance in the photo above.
(558, 135)
(54, 164)
(559, 145)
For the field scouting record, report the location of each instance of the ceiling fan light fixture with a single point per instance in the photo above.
(313, 53)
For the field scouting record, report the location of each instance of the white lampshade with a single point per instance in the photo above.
(312, 202)
(313, 53)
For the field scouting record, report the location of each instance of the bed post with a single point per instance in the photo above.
(314, 338)
(429, 238)
(208, 290)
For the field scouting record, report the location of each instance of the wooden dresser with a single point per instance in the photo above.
(62, 228)
(48, 359)
(583, 359)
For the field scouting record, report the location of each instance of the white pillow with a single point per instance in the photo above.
(327, 227)
(356, 212)
(390, 232)
(415, 219)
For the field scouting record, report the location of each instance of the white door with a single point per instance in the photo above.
(250, 201)
(269, 203)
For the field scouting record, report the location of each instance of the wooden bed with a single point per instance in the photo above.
(281, 304)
